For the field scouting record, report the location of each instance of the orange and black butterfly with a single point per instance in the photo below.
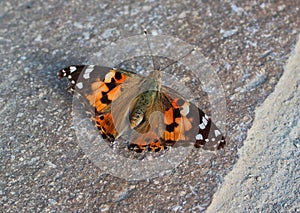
(121, 101)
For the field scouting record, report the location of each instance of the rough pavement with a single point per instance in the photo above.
(267, 173)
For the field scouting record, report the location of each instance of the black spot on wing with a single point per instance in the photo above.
(176, 113)
(110, 85)
(118, 75)
(180, 102)
(104, 99)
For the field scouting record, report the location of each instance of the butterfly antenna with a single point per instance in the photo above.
(178, 59)
(148, 44)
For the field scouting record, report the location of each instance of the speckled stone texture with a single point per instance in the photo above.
(42, 166)
(265, 178)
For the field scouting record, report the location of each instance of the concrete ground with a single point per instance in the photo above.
(252, 46)
(266, 176)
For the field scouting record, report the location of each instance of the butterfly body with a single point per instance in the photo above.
(121, 101)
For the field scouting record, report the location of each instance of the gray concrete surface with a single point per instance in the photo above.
(267, 174)
(44, 169)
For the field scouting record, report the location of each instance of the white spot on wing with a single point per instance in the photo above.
(109, 76)
(87, 72)
(72, 82)
(206, 116)
(199, 137)
(201, 126)
(69, 76)
(204, 121)
(72, 69)
(185, 110)
(217, 133)
(79, 85)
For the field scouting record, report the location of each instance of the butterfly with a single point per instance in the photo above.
(121, 101)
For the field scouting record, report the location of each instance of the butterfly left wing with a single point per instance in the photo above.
(97, 87)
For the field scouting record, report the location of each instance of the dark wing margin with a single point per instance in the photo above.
(204, 133)
(89, 74)
(209, 135)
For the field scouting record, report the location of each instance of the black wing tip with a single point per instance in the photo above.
(61, 74)
(208, 144)
(67, 70)
(64, 72)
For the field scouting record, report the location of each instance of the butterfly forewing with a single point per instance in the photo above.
(97, 87)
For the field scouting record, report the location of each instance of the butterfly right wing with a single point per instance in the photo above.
(187, 123)
(173, 121)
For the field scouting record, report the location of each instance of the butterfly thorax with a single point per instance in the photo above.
(152, 81)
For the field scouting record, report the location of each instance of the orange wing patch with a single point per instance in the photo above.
(106, 126)
(177, 124)
(177, 127)
(104, 92)
(169, 118)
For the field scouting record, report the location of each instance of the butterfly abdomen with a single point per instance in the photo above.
(142, 103)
